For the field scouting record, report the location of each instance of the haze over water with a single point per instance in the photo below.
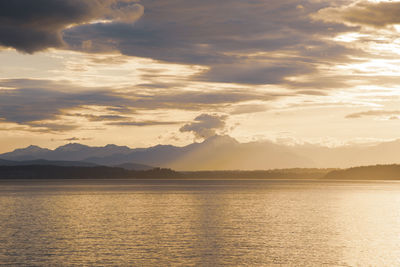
(207, 223)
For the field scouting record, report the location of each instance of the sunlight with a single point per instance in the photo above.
(349, 37)
(374, 67)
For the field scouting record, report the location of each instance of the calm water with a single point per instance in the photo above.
(202, 223)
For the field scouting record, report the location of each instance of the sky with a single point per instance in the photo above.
(141, 73)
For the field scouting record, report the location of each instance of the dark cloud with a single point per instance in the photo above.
(91, 117)
(25, 105)
(31, 26)
(375, 14)
(52, 127)
(72, 139)
(199, 32)
(205, 125)
(143, 123)
(236, 39)
(201, 100)
(118, 120)
(40, 103)
(375, 113)
(255, 73)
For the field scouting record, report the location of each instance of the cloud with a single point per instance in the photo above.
(27, 103)
(237, 40)
(52, 127)
(375, 14)
(72, 139)
(248, 108)
(199, 100)
(31, 26)
(205, 125)
(91, 117)
(143, 123)
(311, 92)
(255, 73)
(377, 113)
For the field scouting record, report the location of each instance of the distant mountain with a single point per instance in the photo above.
(215, 153)
(72, 152)
(68, 153)
(218, 153)
(28, 153)
(225, 153)
(81, 152)
(352, 155)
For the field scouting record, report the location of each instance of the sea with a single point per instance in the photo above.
(199, 223)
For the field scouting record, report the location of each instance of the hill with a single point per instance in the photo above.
(46, 163)
(103, 172)
(375, 172)
(38, 170)
(76, 172)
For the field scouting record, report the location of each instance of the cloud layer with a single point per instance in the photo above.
(225, 36)
(236, 40)
(39, 103)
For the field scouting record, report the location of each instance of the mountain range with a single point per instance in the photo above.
(216, 153)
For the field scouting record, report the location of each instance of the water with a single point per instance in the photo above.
(201, 223)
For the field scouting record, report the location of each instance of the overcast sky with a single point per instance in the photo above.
(140, 73)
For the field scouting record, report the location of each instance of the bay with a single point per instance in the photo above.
(199, 223)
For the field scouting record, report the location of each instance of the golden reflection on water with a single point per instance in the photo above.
(207, 223)
(368, 221)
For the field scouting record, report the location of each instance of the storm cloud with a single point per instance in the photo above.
(31, 26)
